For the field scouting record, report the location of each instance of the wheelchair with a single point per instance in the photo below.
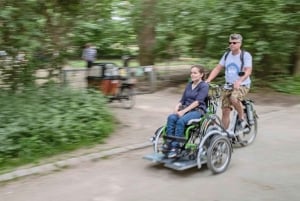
(203, 142)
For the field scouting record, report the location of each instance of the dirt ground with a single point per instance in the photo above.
(274, 98)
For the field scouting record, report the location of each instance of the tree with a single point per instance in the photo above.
(49, 30)
(145, 25)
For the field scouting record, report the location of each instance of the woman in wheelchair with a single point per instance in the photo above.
(191, 106)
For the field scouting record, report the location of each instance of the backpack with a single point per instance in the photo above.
(241, 73)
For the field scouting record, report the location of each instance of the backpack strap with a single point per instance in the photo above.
(226, 54)
(241, 57)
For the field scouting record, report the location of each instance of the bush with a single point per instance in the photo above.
(40, 122)
(286, 84)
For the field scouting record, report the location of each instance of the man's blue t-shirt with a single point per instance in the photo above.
(233, 67)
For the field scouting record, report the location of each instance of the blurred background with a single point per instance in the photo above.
(50, 36)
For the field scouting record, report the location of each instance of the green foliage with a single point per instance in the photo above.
(271, 35)
(108, 28)
(186, 28)
(51, 31)
(287, 84)
(40, 122)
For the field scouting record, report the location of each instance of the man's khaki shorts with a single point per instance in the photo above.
(236, 93)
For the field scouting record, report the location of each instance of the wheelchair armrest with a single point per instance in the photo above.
(193, 121)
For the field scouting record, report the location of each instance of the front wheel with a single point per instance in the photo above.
(127, 97)
(219, 154)
(158, 140)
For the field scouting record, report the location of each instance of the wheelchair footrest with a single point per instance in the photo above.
(182, 164)
(157, 158)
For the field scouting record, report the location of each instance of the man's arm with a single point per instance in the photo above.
(214, 73)
(248, 72)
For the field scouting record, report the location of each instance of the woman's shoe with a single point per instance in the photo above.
(165, 148)
(173, 153)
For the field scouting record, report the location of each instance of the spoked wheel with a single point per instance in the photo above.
(248, 136)
(127, 97)
(158, 140)
(219, 154)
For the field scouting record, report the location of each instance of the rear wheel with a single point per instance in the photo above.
(219, 154)
(127, 97)
(248, 136)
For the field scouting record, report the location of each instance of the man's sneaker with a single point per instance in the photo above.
(173, 153)
(242, 124)
(230, 133)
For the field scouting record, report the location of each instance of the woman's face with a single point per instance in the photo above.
(196, 75)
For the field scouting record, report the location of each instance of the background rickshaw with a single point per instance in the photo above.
(116, 83)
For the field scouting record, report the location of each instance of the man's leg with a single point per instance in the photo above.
(236, 97)
(226, 116)
(226, 109)
(89, 65)
(238, 107)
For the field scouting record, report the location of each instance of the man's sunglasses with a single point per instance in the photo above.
(233, 43)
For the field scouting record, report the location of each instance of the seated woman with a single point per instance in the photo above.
(191, 106)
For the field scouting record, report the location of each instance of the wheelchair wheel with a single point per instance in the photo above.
(127, 97)
(158, 140)
(249, 134)
(219, 154)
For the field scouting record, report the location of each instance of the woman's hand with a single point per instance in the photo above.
(180, 113)
(177, 107)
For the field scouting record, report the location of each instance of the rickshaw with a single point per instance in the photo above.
(116, 83)
(204, 142)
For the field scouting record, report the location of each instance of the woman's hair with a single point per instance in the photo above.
(200, 69)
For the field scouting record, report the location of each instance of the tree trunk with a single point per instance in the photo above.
(146, 33)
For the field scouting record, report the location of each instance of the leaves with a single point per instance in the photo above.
(41, 121)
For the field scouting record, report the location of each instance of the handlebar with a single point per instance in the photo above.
(215, 90)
